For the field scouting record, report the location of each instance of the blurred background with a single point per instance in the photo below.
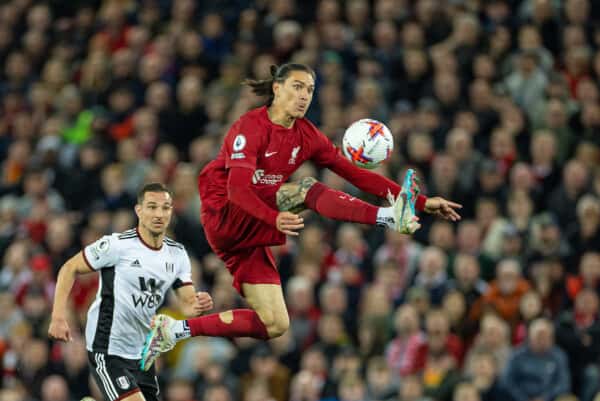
(495, 102)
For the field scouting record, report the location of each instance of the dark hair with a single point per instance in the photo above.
(264, 87)
(152, 187)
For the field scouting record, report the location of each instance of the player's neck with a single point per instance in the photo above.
(149, 238)
(280, 117)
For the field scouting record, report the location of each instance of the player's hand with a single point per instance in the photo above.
(204, 301)
(443, 208)
(288, 223)
(59, 330)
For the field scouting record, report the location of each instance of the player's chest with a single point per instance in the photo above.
(147, 273)
(283, 153)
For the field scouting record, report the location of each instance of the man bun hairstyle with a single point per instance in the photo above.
(264, 87)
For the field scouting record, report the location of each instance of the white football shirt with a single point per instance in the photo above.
(134, 280)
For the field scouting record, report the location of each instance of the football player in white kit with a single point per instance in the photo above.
(137, 268)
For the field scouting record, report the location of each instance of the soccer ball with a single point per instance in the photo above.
(367, 143)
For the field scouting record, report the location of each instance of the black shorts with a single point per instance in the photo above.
(118, 377)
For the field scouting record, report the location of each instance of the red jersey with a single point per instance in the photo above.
(272, 153)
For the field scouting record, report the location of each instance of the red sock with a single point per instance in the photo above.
(246, 323)
(339, 205)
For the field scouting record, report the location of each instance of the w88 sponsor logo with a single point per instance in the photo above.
(260, 177)
(151, 293)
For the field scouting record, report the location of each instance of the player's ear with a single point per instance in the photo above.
(276, 86)
(138, 209)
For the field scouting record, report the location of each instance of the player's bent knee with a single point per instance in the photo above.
(267, 317)
(268, 302)
(276, 324)
(279, 327)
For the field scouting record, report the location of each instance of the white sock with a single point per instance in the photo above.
(385, 217)
(181, 330)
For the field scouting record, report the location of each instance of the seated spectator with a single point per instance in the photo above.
(304, 315)
(411, 389)
(38, 199)
(493, 338)
(484, 374)
(546, 171)
(530, 308)
(578, 334)
(584, 234)
(441, 235)
(388, 279)
(55, 388)
(563, 200)
(347, 362)
(351, 388)
(403, 252)
(588, 277)
(454, 305)
(381, 384)
(114, 191)
(504, 293)
(15, 270)
(538, 369)
(469, 241)
(180, 390)
(264, 368)
(546, 238)
(440, 357)
(526, 84)
(332, 335)
(75, 368)
(401, 352)
(40, 282)
(547, 277)
(468, 282)
(218, 392)
(305, 386)
(10, 316)
(466, 391)
(432, 276)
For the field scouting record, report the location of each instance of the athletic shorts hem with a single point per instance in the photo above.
(127, 394)
(118, 377)
(269, 280)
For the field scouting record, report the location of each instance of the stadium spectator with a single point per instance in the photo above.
(525, 378)
(495, 103)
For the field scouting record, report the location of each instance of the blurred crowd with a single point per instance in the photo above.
(496, 103)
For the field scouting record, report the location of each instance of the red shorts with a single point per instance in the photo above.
(242, 242)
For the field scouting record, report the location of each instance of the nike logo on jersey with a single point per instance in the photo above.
(269, 154)
(136, 263)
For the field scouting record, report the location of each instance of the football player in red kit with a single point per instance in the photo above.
(247, 206)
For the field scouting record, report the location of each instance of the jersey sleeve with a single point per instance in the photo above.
(243, 143)
(103, 253)
(324, 153)
(241, 194)
(184, 272)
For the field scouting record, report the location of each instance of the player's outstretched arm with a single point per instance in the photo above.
(365, 180)
(379, 185)
(193, 303)
(443, 208)
(59, 328)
